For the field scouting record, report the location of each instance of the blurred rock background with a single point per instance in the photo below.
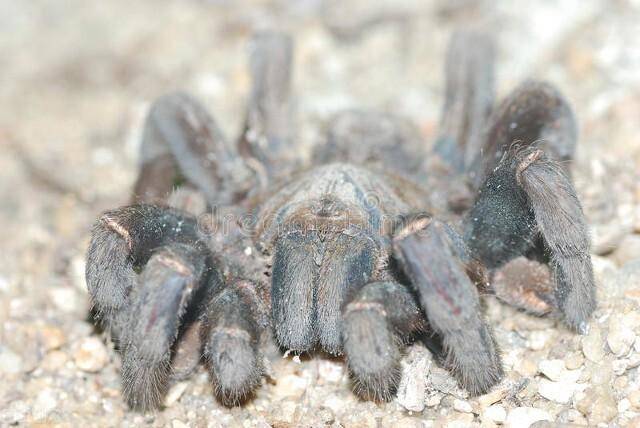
(76, 79)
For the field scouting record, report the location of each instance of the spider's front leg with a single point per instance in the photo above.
(377, 321)
(146, 311)
(233, 322)
(437, 263)
(527, 206)
(152, 276)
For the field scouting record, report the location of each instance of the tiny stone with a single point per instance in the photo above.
(14, 413)
(553, 369)
(288, 410)
(52, 337)
(628, 249)
(66, 299)
(526, 367)
(524, 417)
(621, 383)
(45, 402)
(495, 413)
(601, 374)
(54, 360)
(462, 406)
(441, 380)
(175, 392)
(91, 355)
(433, 400)
(335, 404)
(620, 366)
(412, 388)
(495, 395)
(559, 392)
(574, 360)
(624, 405)
(538, 340)
(331, 371)
(326, 415)
(634, 399)
(10, 362)
(177, 423)
(290, 386)
(592, 345)
(598, 405)
(621, 335)
(459, 420)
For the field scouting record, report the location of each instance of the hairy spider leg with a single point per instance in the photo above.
(233, 323)
(378, 320)
(434, 259)
(469, 97)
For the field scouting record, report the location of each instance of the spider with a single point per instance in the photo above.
(377, 242)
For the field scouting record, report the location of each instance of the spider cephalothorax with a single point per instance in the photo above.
(375, 242)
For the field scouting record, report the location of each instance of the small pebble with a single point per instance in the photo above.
(621, 336)
(335, 404)
(495, 395)
(290, 386)
(67, 299)
(52, 337)
(634, 399)
(495, 413)
(574, 360)
(524, 417)
(553, 369)
(45, 403)
(593, 345)
(620, 366)
(598, 405)
(559, 392)
(624, 405)
(538, 340)
(91, 355)
(462, 406)
(412, 388)
(459, 420)
(628, 249)
(54, 361)
(174, 393)
(10, 362)
(331, 371)
(526, 367)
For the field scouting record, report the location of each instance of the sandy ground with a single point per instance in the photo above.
(76, 80)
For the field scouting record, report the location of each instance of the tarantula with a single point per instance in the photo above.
(377, 243)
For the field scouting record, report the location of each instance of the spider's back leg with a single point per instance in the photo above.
(469, 97)
(181, 141)
(527, 205)
(269, 129)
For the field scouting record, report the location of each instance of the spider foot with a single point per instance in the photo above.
(232, 327)
(376, 323)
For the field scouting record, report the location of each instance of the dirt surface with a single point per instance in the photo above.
(77, 78)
